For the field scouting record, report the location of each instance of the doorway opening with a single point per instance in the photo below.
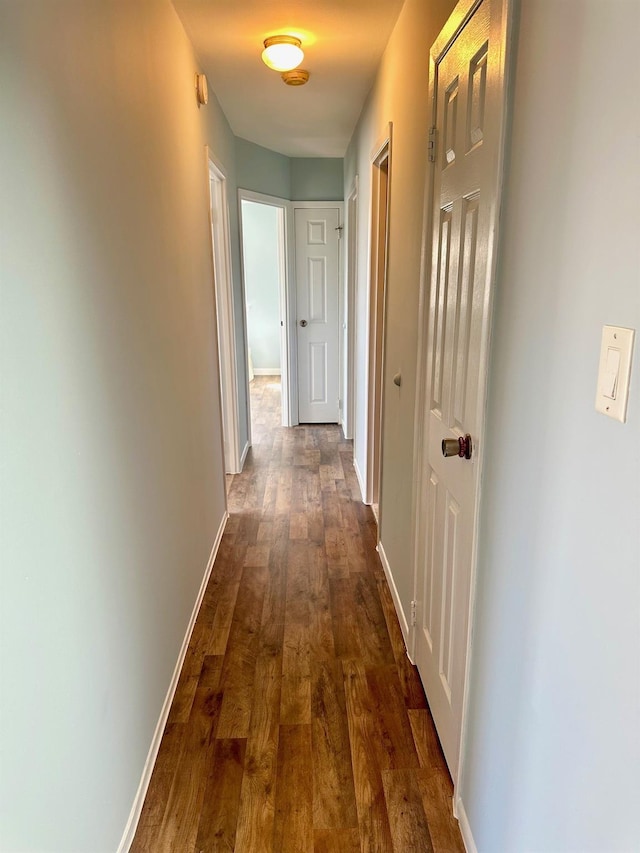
(263, 239)
(223, 293)
(380, 175)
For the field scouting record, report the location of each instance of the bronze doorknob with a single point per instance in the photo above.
(303, 323)
(457, 447)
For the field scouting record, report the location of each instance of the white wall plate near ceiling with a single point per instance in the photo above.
(614, 372)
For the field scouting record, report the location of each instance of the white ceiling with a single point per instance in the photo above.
(343, 41)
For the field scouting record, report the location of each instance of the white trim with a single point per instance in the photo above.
(291, 315)
(224, 302)
(465, 827)
(349, 306)
(288, 355)
(138, 802)
(267, 371)
(313, 205)
(381, 152)
(402, 619)
(263, 198)
(360, 480)
(243, 456)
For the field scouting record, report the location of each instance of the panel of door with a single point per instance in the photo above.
(317, 271)
(469, 88)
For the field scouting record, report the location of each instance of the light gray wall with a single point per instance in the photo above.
(112, 475)
(262, 170)
(317, 179)
(553, 746)
(260, 239)
(399, 95)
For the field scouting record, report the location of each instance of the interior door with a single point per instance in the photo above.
(317, 294)
(468, 100)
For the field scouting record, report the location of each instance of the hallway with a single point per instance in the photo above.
(298, 723)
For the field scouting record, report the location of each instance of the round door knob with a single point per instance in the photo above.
(303, 323)
(457, 447)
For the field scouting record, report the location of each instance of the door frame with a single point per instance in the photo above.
(288, 372)
(456, 22)
(348, 307)
(376, 312)
(224, 307)
(314, 205)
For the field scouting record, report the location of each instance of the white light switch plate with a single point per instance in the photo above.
(614, 372)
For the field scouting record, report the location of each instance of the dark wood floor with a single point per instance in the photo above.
(298, 723)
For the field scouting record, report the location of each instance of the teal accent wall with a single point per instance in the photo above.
(262, 171)
(317, 179)
(293, 178)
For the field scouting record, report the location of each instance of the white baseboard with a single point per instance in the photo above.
(360, 480)
(244, 456)
(136, 810)
(267, 371)
(404, 624)
(465, 828)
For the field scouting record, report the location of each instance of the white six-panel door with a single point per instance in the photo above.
(317, 304)
(468, 87)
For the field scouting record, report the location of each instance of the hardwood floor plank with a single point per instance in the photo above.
(331, 509)
(372, 628)
(373, 819)
(344, 618)
(299, 500)
(336, 551)
(334, 805)
(315, 524)
(257, 796)
(394, 745)
(322, 644)
(295, 706)
(219, 815)
(219, 634)
(257, 556)
(293, 826)
(179, 826)
(285, 483)
(161, 781)
(298, 528)
(435, 785)
(247, 533)
(240, 658)
(336, 841)
(407, 820)
(408, 673)
(271, 637)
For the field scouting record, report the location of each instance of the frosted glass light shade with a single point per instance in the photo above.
(282, 53)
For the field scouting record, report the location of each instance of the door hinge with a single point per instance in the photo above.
(339, 230)
(432, 144)
(413, 613)
(339, 404)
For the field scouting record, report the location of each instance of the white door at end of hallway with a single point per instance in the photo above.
(317, 294)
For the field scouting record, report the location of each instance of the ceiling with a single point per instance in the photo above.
(343, 41)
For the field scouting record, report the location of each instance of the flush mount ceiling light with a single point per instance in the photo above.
(282, 53)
